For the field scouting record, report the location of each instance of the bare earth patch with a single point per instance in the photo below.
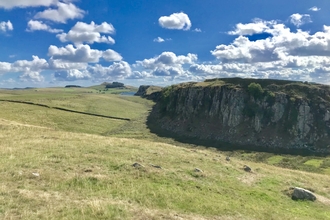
(14, 123)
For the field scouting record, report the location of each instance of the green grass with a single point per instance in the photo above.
(274, 159)
(314, 162)
(85, 167)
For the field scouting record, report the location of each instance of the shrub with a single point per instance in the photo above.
(255, 90)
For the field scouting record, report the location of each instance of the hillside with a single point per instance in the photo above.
(63, 165)
(265, 115)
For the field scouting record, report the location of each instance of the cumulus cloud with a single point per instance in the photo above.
(167, 64)
(40, 26)
(178, 21)
(167, 59)
(25, 3)
(117, 70)
(300, 19)
(72, 75)
(285, 54)
(256, 27)
(30, 69)
(82, 54)
(88, 33)
(159, 40)
(64, 11)
(197, 30)
(6, 26)
(31, 77)
(314, 9)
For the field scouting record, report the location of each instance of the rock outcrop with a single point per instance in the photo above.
(273, 115)
(149, 92)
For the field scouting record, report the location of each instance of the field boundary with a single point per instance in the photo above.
(64, 109)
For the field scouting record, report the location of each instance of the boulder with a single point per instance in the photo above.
(302, 194)
(247, 168)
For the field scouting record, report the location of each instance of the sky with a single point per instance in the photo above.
(48, 43)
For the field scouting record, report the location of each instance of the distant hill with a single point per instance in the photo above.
(72, 86)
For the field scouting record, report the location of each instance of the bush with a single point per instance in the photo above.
(255, 90)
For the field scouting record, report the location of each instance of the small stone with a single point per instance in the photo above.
(137, 165)
(198, 170)
(156, 166)
(228, 158)
(247, 168)
(36, 174)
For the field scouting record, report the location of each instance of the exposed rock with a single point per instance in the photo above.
(198, 170)
(137, 165)
(287, 116)
(302, 194)
(36, 174)
(227, 158)
(247, 168)
(156, 166)
(149, 92)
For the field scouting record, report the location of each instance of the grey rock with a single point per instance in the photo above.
(247, 168)
(198, 170)
(228, 158)
(156, 166)
(137, 165)
(302, 194)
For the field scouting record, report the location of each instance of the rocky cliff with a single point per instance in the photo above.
(265, 114)
(149, 92)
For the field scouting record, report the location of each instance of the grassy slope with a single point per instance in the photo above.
(62, 146)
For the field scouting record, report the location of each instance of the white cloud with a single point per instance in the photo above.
(159, 40)
(82, 54)
(167, 59)
(62, 13)
(72, 75)
(118, 70)
(314, 9)
(65, 65)
(179, 21)
(30, 69)
(6, 26)
(300, 19)
(40, 26)
(31, 77)
(258, 26)
(9, 4)
(88, 33)
(297, 55)
(167, 64)
(197, 30)
(35, 65)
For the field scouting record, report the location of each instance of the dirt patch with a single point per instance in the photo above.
(14, 123)
(249, 178)
(322, 199)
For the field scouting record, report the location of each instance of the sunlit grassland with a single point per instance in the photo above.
(85, 176)
(85, 168)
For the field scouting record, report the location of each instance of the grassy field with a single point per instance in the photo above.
(62, 165)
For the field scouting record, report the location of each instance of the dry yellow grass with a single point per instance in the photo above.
(84, 176)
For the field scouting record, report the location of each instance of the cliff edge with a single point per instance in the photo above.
(265, 114)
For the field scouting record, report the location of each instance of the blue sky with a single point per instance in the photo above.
(59, 42)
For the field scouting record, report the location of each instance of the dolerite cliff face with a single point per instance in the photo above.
(265, 114)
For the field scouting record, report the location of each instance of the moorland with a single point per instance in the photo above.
(59, 164)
